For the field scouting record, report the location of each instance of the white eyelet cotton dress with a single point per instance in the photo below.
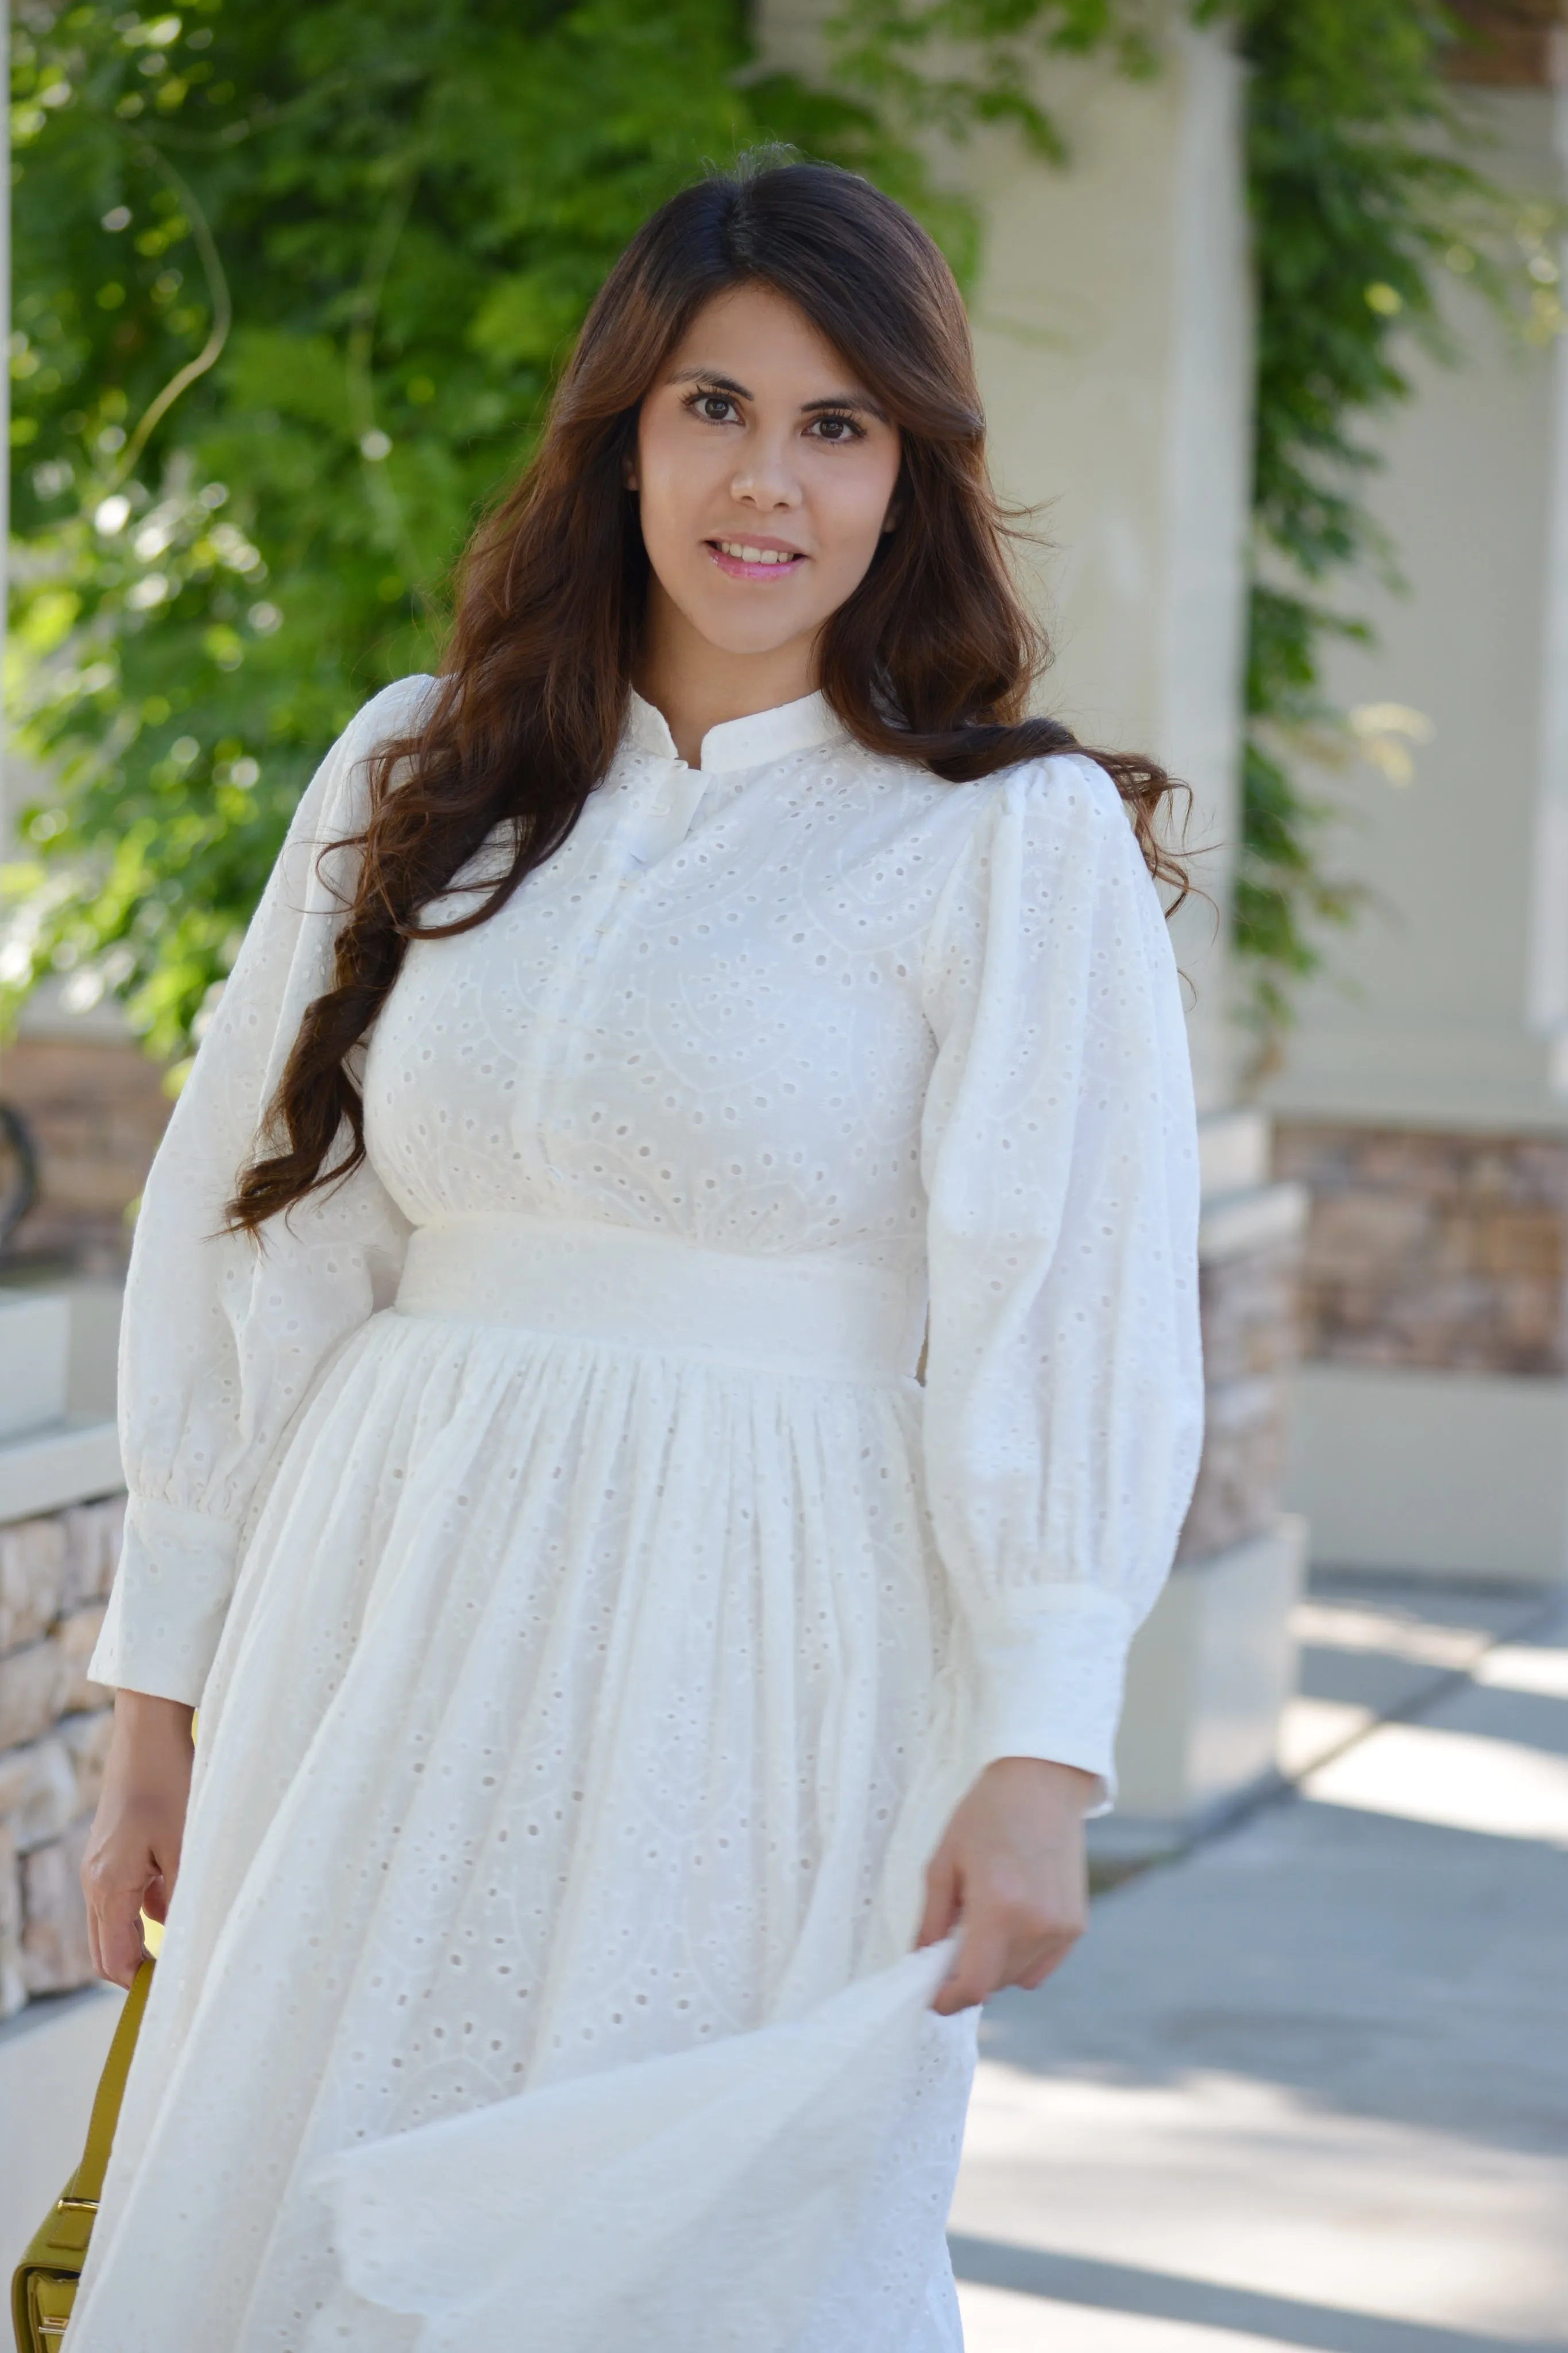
(592, 1619)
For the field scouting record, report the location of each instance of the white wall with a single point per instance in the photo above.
(1447, 1003)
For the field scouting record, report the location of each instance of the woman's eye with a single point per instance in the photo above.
(715, 407)
(835, 429)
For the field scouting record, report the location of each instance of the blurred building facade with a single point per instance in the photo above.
(1424, 1099)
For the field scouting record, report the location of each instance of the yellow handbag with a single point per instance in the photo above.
(44, 2285)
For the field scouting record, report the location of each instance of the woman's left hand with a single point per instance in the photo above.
(1010, 1871)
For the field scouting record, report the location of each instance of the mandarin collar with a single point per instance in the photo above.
(749, 743)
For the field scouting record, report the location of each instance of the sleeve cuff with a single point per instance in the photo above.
(1049, 1681)
(168, 1601)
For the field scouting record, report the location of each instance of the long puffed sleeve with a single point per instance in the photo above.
(1064, 1389)
(222, 1340)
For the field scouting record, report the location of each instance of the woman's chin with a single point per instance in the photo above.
(753, 636)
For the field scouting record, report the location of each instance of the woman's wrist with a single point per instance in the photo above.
(144, 1716)
(1066, 1785)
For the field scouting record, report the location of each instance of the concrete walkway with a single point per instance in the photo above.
(1309, 2086)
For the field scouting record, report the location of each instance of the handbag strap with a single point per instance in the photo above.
(86, 2183)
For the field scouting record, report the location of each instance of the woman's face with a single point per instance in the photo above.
(764, 474)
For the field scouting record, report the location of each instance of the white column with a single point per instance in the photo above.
(1115, 331)
(5, 391)
(1114, 336)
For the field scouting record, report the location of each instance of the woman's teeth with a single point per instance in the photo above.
(739, 554)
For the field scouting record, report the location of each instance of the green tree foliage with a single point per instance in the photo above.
(292, 282)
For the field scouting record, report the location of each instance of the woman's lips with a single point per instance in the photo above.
(774, 563)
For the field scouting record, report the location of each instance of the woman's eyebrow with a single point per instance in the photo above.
(846, 400)
(711, 375)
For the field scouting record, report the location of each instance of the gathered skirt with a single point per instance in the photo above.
(538, 1968)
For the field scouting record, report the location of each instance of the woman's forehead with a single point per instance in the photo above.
(751, 332)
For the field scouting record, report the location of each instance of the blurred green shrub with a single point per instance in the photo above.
(292, 284)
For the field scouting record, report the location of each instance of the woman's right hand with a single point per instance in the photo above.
(133, 1848)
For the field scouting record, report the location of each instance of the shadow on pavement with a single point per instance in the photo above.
(1352, 1942)
(1162, 2295)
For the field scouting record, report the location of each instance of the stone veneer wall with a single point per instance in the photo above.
(1250, 1309)
(96, 1108)
(1520, 45)
(54, 1734)
(1432, 1251)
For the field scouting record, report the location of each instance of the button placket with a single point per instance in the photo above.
(666, 814)
(541, 1059)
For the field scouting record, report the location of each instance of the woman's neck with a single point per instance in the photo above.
(698, 685)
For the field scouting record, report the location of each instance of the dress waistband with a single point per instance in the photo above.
(573, 1278)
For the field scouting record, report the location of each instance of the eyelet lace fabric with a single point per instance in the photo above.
(581, 1694)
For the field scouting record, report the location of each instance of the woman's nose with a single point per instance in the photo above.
(767, 480)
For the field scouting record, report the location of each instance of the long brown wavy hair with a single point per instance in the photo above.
(931, 659)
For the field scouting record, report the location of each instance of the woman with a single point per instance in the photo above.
(612, 1660)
